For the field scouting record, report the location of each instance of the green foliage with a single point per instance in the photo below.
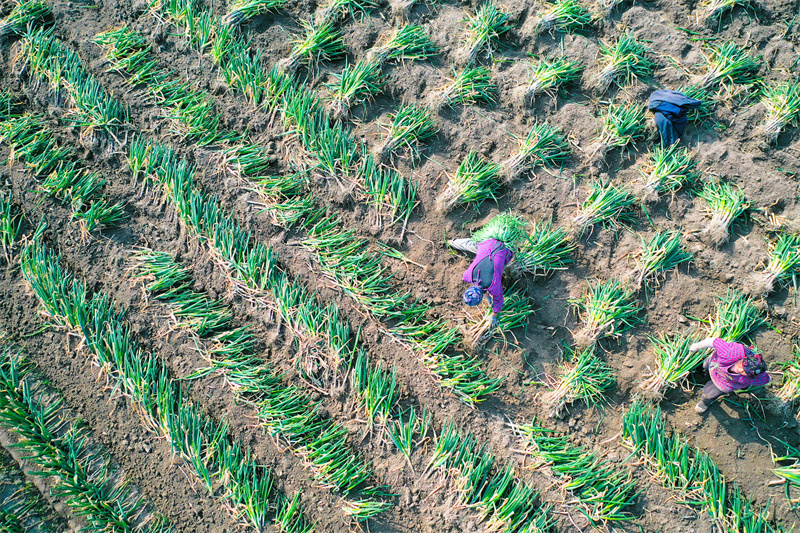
(568, 16)
(790, 386)
(661, 253)
(782, 102)
(725, 202)
(607, 205)
(476, 180)
(550, 75)
(484, 30)
(10, 224)
(674, 361)
(354, 85)
(408, 42)
(509, 228)
(606, 310)
(736, 317)
(410, 126)
(470, 86)
(23, 17)
(729, 64)
(544, 146)
(668, 169)
(545, 249)
(585, 378)
(622, 125)
(623, 62)
(241, 11)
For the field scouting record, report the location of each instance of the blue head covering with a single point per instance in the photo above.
(473, 295)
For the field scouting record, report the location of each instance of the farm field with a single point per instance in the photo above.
(228, 302)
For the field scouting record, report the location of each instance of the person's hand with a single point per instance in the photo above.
(695, 347)
(494, 323)
(701, 345)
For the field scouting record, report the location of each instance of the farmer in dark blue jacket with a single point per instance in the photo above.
(669, 109)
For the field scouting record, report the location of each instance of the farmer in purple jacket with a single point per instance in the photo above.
(732, 366)
(485, 274)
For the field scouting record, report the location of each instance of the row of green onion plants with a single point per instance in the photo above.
(62, 448)
(604, 490)
(25, 14)
(58, 167)
(10, 224)
(337, 152)
(284, 410)
(219, 461)
(22, 506)
(689, 471)
(503, 501)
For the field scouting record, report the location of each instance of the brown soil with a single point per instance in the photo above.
(739, 441)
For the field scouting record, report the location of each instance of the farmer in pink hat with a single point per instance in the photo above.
(732, 367)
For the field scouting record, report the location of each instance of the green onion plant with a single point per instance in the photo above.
(321, 42)
(484, 30)
(507, 227)
(568, 16)
(667, 170)
(10, 224)
(585, 378)
(545, 249)
(475, 180)
(608, 205)
(606, 310)
(729, 64)
(354, 85)
(782, 266)
(789, 390)
(544, 146)
(674, 362)
(623, 62)
(736, 317)
(240, 11)
(661, 253)
(622, 125)
(410, 126)
(725, 203)
(550, 75)
(24, 15)
(711, 10)
(408, 42)
(470, 86)
(782, 102)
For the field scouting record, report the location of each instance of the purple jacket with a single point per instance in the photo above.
(487, 270)
(727, 354)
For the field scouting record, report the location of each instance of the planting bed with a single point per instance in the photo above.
(230, 260)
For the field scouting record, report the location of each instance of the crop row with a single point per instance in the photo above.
(62, 449)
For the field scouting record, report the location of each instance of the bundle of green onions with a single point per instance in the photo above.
(674, 361)
(606, 310)
(666, 170)
(725, 202)
(517, 308)
(24, 15)
(790, 386)
(335, 10)
(730, 64)
(603, 489)
(710, 10)
(585, 378)
(566, 16)
(622, 124)
(475, 180)
(544, 145)
(240, 11)
(783, 264)
(410, 126)
(549, 75)
(736, 316)
(317, 43)
(484, 30)
(782, 102)
(545, 249)
(661, 253)
(470, 86)
(352, 86)
(409, 41)
(623, 62)
(608, 205)
(507, 227)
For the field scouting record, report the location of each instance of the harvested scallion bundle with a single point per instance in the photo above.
(608, 205)
(666, 170)
(710, 10)
(544, 145)
(585, 378)
(507, 228)
(725, 202)
(470, 86)
(549, 75)
(623, 62)
(517, 308)
(730, 64)
(475, 180)
(783, 265)
(355, 84)
(318, 43)
(545, 249)
(606, 310)
(622, 124)
(410, 126)
(661, 253)
(484, 30)
(736, 316)
(410, 42)
(782, 102)
(335, 10)
(567, 16)
(790, 386)
(240, 11)
(10, 224)
(674, 361)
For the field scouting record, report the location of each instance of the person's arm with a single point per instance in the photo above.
(500, 260)
(702, 345)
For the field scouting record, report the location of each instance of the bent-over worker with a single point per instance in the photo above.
(732, 366)
(485, 274)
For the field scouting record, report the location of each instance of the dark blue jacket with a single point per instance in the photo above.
(670, 108)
